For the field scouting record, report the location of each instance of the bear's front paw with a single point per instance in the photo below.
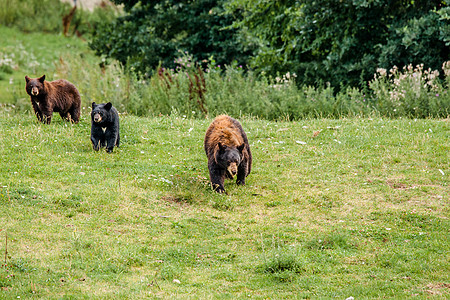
(218, 188)
(240, 182)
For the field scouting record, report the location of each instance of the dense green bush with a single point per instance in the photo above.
(340, 42)
(153, 31)
(343, 41)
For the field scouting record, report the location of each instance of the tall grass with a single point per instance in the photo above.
(33, 15)
(413, 91)
(192, 91)
(46, 16)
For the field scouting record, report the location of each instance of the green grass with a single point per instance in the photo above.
(33, 54)
(332, 209)
(360, 209)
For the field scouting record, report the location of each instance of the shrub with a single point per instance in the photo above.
(151, 33)
(413, 92)
(342, 42)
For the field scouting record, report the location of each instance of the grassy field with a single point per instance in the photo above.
(32, 54)
(332, 209)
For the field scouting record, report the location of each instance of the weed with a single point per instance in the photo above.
(333, 241)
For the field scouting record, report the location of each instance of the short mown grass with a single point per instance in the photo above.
(333, 208)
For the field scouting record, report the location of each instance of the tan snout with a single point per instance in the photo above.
(34, 91)
(97, 118)
(232, 169)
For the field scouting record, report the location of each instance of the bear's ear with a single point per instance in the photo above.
(93, 105)
(108, 106)
(241, 147)
(217, 150)
(27, 79)
(222, 147)
(42, 78)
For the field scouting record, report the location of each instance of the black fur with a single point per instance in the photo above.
(218, 168)
(228, 152)
(105, 126)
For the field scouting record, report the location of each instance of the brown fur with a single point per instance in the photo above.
(53, 96)
(228, 152)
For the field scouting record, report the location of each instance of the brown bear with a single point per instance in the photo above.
(53, 96)
(228, 152)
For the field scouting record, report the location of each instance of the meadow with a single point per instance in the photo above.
(334, 208)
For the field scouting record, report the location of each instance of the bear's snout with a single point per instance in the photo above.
(35, 91)
(232, 169)
(97, 118)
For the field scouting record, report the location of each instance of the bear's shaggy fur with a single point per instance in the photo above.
(53, 96)
(105, 126)
(228, 152)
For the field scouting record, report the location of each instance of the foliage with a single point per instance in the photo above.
(413, 92)
(153, 31)
(189, 90)
(87, 22)
(343, 42)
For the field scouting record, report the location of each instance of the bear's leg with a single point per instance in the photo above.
(96, 136)
(65, 116)
(217, 177)
(95, 143)
(74, 114)
(47, 118)
(242, 172)
(47, 113)
(102, 142)
(111, 140)
(37, 111)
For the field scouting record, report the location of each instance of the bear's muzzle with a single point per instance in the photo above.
(34, 91)
(232, 169)
(97, 118)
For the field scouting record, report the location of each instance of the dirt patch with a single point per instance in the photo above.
(399, 185)
(438, 288)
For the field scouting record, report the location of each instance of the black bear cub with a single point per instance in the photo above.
(105, 126)
(228, 152)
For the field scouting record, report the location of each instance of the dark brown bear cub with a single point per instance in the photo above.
(228, 152)
(105, 127)
(53, 96)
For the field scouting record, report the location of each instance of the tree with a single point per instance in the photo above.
(152, 32)
(343, 41)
